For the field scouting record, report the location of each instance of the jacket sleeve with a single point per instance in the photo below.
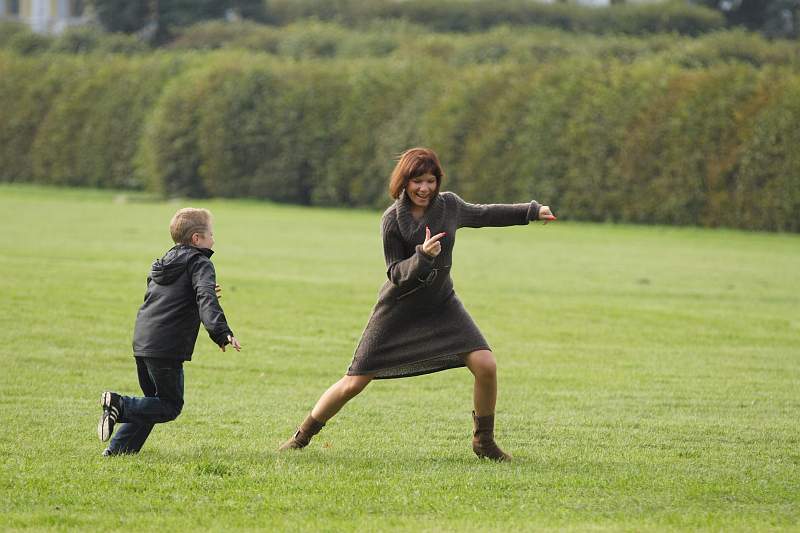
(204, 279)
(402, 271)
(484, 215)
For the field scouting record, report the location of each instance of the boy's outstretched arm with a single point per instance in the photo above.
(211, 314)
(231, 339)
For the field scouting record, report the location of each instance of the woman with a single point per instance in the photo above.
(419, 325)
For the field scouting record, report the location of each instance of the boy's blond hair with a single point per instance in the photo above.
(187, 222)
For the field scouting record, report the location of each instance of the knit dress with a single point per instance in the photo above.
(419, 325)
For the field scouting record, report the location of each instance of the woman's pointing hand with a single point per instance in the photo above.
(432, 246)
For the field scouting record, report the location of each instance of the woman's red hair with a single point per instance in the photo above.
(412, 163)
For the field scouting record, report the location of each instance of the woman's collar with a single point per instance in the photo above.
(410, 228)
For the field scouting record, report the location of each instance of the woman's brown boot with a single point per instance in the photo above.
(483, 443)
(302, 436)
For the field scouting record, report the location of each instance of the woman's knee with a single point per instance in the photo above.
(482, 364)
(352, 385)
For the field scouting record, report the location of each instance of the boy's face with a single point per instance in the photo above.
(204, 239)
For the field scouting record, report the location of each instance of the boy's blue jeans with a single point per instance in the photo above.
(162, 384)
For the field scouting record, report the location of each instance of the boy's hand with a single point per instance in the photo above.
(218, 290)
(234, 343)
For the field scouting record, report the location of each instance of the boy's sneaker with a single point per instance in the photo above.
(112, 408)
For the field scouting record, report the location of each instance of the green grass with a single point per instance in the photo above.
(649, 378)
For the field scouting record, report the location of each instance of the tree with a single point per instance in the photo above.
(775, 18)
(157, 18)
(126, 16)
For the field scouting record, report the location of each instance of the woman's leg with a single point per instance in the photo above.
(337, 395)
(483, 366)
(331, 401)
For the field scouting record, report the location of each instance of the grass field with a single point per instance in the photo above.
(649, 378)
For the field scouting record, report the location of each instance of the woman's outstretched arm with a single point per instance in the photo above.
(484, 215)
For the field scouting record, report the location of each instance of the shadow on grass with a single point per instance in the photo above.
(222, 462)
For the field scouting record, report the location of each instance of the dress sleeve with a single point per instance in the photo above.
(204, 280)
(483, 215)
(403, 271)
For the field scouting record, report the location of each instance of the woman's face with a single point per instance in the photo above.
(420, 190)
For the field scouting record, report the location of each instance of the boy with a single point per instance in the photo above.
(181, 293)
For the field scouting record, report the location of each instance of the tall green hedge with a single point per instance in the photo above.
(269, 132)
(398, 40)
(685, 145)
(469, 15)
(92, 130)
(766, 184)
(169, 157)
(402, 40)
(28, 89)
(651, 141)
(378, 114)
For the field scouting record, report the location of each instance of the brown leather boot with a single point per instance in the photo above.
(302, 436)
(483, 443)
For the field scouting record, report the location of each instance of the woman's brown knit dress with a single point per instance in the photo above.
(419, 325)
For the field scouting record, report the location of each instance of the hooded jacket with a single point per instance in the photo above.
(180, 294)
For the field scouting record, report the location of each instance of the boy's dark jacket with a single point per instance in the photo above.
(180, 294)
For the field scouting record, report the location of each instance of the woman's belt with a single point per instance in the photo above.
(427, 281)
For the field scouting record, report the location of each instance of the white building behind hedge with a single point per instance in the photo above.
(44, 16)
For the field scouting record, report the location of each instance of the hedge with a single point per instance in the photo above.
(766, 185)
(91, 132)
(395, 39)
(469, 15)
(649, 142)
(169, 158)
(21, 39)
(28, 88)
(533, 46)
(269, 133)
